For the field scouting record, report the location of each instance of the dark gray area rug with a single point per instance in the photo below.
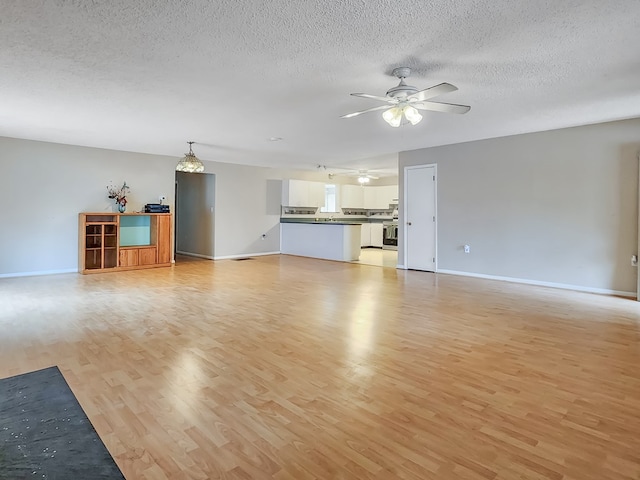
(45, 434)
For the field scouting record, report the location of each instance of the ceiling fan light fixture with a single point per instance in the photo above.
(190, 163)
(362, 179)
(393, 116)
(406, 100)
(412, 115)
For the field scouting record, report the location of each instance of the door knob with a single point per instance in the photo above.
(408, 223)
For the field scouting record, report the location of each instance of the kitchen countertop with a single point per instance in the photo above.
(331, 223)
(341, 221)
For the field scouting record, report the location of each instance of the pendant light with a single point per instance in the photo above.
(190, 163)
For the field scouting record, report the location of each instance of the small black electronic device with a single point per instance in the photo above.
(156, 208)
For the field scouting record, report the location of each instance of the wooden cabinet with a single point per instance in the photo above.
(110, 242)
(99, 242)
(162, 239)
(138, 256)
(148, 256)
(301, 193)
(129, 257)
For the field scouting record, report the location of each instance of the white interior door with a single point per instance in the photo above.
(420, 217)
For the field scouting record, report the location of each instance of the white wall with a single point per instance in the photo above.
(555, 207)
(247, 206)
(341, 179)
(43, 187)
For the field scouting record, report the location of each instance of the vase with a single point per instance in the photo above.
(122, 207)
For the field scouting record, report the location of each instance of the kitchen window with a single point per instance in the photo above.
(330, 199)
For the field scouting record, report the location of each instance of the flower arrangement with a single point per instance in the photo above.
(119, 195)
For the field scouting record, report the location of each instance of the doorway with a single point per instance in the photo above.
(195, 214)
(420, 222)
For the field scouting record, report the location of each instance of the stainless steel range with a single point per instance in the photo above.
(390, 236)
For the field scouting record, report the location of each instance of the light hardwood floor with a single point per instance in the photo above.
(282, 367)
(378, 257)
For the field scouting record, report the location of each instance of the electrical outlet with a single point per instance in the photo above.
(467, 249)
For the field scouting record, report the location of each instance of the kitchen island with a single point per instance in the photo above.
(326, 240)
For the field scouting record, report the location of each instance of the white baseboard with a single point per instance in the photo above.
(189, 254)
(35, 274)
(245, 255)
(402, 267)
(563, 286)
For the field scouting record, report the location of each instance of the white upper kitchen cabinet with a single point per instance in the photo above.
(352, 196)
(295, 193)
(301, 193)
(316, 194)
(370, 197)
(386, 195)
(379, 198)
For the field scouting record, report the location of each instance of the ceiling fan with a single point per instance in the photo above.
(363, 176)
(407, 100)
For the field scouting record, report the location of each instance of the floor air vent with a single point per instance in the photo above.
(242, 259)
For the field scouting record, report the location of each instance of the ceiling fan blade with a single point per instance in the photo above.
(365, 173)
(355, 114)
(375, 97)
(441, 107)
(434, 91)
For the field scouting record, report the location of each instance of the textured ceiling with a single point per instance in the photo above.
(149, 75)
